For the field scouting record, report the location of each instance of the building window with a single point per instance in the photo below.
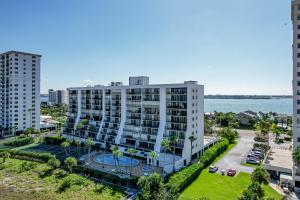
(298, 17)
(298, 139)
(298, 36)
(298, 102)
(298, 111)
(298, 73)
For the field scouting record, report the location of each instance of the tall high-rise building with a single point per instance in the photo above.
(57, 97)
(141, 115)
(296, 72)
(19, 90)
(295, 15)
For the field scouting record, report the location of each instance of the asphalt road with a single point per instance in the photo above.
(233, 159)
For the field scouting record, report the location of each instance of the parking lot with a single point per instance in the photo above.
(237, 155)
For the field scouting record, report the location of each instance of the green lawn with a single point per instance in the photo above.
(29, 184)
(218, 187)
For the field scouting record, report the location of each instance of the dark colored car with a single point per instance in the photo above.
(212, 169)
(231, 172)
(253, 161)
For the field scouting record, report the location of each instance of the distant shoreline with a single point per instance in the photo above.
(248, 96)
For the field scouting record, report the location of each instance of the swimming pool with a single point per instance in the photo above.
(108, 159)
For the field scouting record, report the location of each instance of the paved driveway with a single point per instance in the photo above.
(238, 154)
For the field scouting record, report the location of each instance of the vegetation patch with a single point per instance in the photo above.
(20, 141)
(58, 185)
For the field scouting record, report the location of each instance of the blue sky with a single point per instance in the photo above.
(232, 46)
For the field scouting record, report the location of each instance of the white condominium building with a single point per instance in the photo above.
(140, 116)
(19, 90)
(57, 97)
(296, 83)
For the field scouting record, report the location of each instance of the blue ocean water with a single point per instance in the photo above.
(284, 105)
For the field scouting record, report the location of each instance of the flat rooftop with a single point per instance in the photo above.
(280, 157)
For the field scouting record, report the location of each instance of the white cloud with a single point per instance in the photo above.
(88, 81)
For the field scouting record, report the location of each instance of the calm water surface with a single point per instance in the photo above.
(237, 105)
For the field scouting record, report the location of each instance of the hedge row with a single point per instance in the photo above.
(180, 180)
(54, 140)
(30, 156)
(106, 176)
(21, 141)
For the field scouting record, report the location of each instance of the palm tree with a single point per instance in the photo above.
(65, 145)
(264, 126)
(114, 151)
(118, 155)
(132, 152)
(174, 140)
(79, 127)
(152, 156)
(93, 129)
(78, 142)
(14, 129)
(192, 139)
(166, 146)
(89, 143)
(276, 131)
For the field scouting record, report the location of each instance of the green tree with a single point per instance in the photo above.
(208, 126)
(260, 175)
(166, 146)
(296, 155)
(89, 144)
(66, 145)
(150, 186)
(70, 162)
(153, 157)
(253, 192)
(192, 139)
(4, 155)
(132, 152)
(276, 131)
(229, 134)
(29, 131)
(174, 140)
(264, 127)
(53, 163)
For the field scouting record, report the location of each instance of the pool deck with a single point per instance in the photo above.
(137, 170)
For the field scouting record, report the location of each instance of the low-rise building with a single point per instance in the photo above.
(247, 118)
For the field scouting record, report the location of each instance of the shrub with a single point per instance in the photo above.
(54, 140)
(53, 163)
(180, 180)
(31, 156)
(106, 176)
(71, 180)
(21, 141)
(212, 153)
(26, 166)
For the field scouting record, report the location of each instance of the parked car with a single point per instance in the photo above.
(252, 161)
(254, 156)
(257, 149)
(231, 172)
(212, 169)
